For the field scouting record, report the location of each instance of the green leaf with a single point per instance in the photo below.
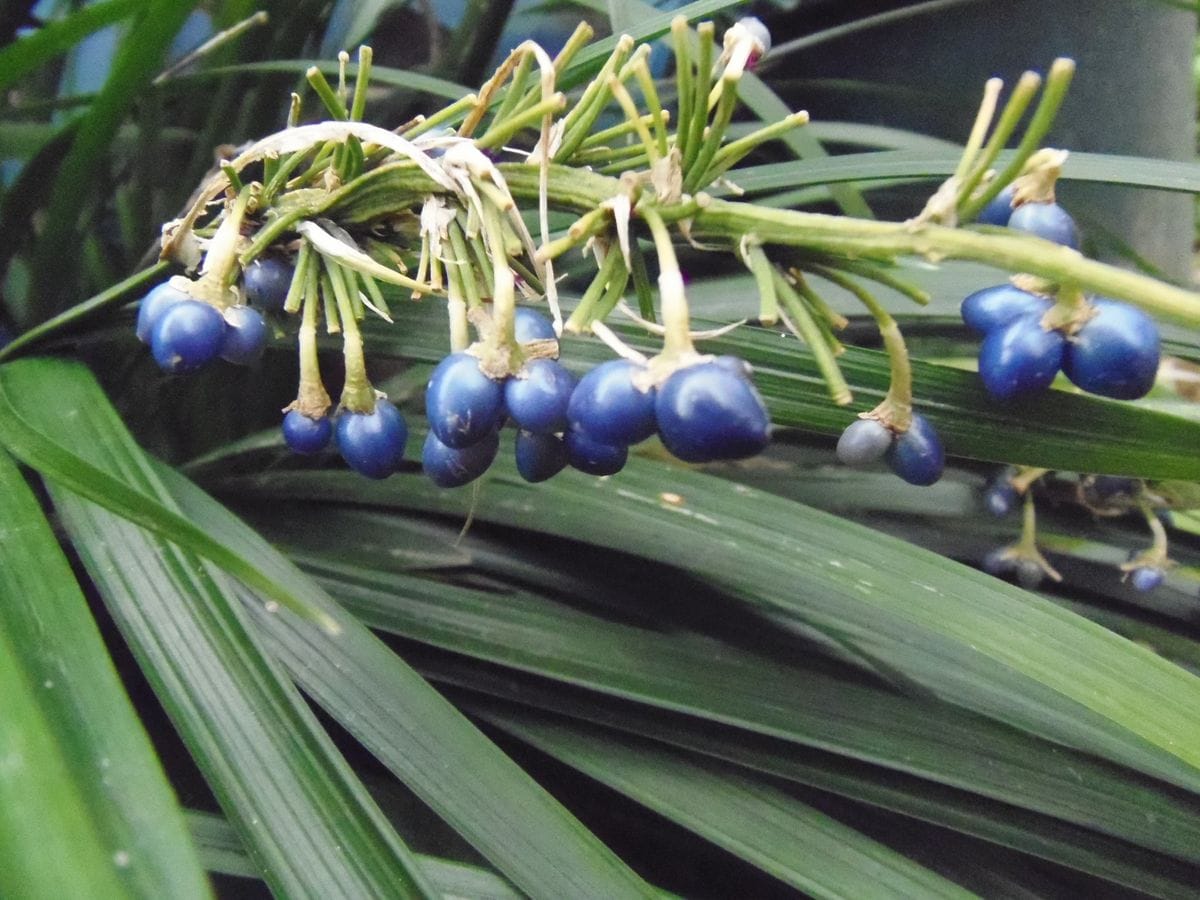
(422, 738)
(761, 824)
(223, 852)
(128, 803)
(962, 635)
(42, 403)
(385, 75)
(36, 49)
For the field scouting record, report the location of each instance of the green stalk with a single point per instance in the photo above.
(1022, 95)
(677, 336)
(459, 268)
(641, 281)
(658, 117)
(312, 399)
(333, 103)
(681, 42)
(357, 394)
(694, 173)
(764, 277)
(700, 88)
(362, 79)
(585, 310)
(297, 289)
(735, 151)
(502, 130)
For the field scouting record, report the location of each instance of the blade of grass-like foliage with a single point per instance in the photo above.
(49, 844)
(54, 38)
(44, 616)
(42, 404)
(960, 634)
(761, 824)
(138, 59)
(401, 78)
(222, 851)
(421, 737)
(721, 685)
(1072, 432)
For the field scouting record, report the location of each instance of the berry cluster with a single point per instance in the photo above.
(1105, 347)
(186, 334)
(916, 454)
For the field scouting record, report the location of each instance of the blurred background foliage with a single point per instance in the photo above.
(751, 680)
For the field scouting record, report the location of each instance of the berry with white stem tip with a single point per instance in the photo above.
(448, 467)
(187, 336)
(1020, 358)
(610, 408)
(372, 444)
(711, 411)
(529, 325)
(538, 395)
(1146, 578)
(1115, 353)
(304, 434)
(266, 281)
(153, 305)
(986, 310)
(245, 335)
(463, 404)
(1046, 220)
(864, 442)
(999, 209)
(917, 455)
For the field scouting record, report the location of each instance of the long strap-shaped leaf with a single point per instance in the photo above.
(968, 638)
(45, 618)
(421, 738)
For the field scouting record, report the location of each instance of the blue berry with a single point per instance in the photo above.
(1029, 574)
(1020, 358)
(462, 403)
(1046, 220)
(266, 281)
(592, 456)
(1115, 354)
(540, 456)
(187, 336)
(999, 209)
(447, 467)
(997, 562)
(373, 443)
(529, 325)
(1146, 578)
(537, 397)
(304, 434)
(1106, 487)
(917, 455)
(709, 411)
(608, 406)
(153, 305)
(1000, 497)
(245, 335)
(991, 308)
(864, 442)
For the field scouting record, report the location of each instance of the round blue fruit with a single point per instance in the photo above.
(449, 468)
(1146, 578)
(304, 434)
(1115, 354)
(462, 403)
(593, 457)
(609, 408)
(864, 442)
(991, 308)
(187, 336)
(999, 209)
(372, 444)
(1047, 220)
(708, 412)
(540, 456)
(266, 281)
(1000, 498)
(538, 396)
(153, 305)
(917, 455)
(529, 325)
(1020, 358)
(245, 335)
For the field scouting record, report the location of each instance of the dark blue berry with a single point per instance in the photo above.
(153, 305)
(592, 456)
(999, 209)
(1000, 497)
(304, 434)
(1047, 220)
(462, 403)
(864, 442)
(1106, 487)
(538, 395)
(991, 308)
(917, 455)
(245, 335)
(1020, 358)
(1029, 573)
(266, 281)
(1115, 354)
(187, 336)
(608, 406)
(997, 562)
(1146, 578)
(447, 467)
(529, 325)
(373, 443)
(707, 412)
(540, 456)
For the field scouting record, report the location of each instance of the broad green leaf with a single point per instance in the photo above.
(42, 404)
(45, 617)
(718, 685)
(50, 844)
(421, 737)
(957, 633)
(1058, 430)
(54, 38)
(223, 852)
(772, 830)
